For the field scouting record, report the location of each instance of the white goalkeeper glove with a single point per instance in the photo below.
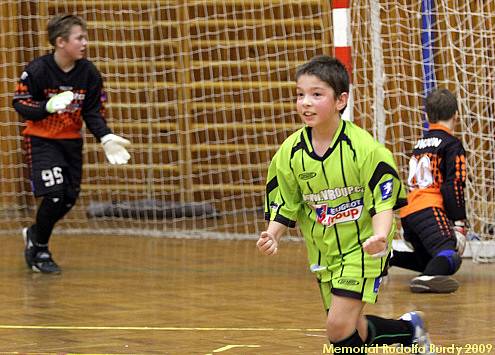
(59, 102)
(114, 149)
(460, 236)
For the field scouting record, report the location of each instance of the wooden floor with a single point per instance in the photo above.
(136, 295)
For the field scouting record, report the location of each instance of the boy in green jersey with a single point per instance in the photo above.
(340, 186)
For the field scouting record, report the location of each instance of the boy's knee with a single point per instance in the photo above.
(453, 258)
(338, 328)
(57, 204)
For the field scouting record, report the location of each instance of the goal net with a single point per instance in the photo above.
(204, 89)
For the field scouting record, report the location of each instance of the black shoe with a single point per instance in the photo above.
(44, 263)
(433, 284)
(36, 259)
(29, 249)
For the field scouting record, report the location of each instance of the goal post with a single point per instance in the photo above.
(445, 44)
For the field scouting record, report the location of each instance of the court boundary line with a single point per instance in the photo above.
(234, 329)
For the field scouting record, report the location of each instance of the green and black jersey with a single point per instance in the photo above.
(333, 197)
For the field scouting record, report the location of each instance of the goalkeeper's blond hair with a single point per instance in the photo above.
(61, 25)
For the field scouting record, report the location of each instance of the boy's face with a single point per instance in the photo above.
(316, 101)
(76, 44)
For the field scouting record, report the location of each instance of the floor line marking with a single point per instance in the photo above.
(228, 347)
(63, 327)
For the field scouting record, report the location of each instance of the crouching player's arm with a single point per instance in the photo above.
(268, 241)
(377, 245)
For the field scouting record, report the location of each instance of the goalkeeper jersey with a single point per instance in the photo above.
(437, 174)
(333, 197)
(42, 78)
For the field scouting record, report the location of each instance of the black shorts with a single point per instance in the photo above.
(55, 165)
(429, 231)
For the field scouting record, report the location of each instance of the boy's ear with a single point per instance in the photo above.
(342, 100)
(59, 42)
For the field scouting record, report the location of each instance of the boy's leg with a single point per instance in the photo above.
(385, 331)
(343, 299)
(343, 321)
(407, 260)
(342, 329)
(343, 317)
(347, 327)
(53, 208)
(415, 260)
(438, 239)
(410, 331)
(52, 179)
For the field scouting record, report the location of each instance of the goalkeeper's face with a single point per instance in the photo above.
(75, 46)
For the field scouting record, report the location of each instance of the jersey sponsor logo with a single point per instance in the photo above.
(386, 189)
(333, 194)
(376, 285)
(348, 282)
(345, 212)
(307, 176)
(428, 142)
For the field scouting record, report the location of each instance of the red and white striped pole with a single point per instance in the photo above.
(342, 41)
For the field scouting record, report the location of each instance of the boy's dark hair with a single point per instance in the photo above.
(61, 26)
(327, 69)
(440, 105)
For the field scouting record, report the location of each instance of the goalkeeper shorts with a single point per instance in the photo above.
(55, 165)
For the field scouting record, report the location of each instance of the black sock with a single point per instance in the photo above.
(33, 236)
(382, 331)
(354, 341)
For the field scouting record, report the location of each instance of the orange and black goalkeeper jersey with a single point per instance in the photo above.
(437, 174)
(42, 78)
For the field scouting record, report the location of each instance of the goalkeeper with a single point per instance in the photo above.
(433, 221)
(55, 93)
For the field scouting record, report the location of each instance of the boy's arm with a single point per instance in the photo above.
(455, 181)
(282, 201)
(24, 101)
(93, 107)
(269, 239)
(383, 187)
(382, 222)
(383, 194)
(377, 245)
(93, 115)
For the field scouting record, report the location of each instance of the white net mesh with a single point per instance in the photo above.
(204, 90)
(463, 34)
